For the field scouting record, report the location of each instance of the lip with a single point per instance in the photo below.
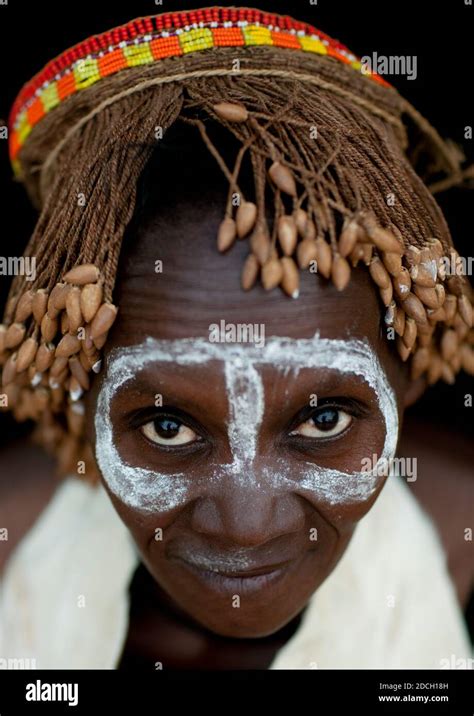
(238, 581)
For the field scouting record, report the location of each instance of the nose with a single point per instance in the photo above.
(247, 515)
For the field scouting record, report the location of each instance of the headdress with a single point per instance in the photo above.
(336, 153)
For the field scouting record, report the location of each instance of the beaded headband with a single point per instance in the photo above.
(151, 39)
(91, 119)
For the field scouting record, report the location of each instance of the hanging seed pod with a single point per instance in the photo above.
(99, 342)
(447, 373)
(24, 307)
(290, 282)
(402, 283)
(75, 418)
(88, 342)
(282, 178)
(287, 234)
(226, 235)
(436, 315)
(386, 294)
(103, 320)
(59, 364)
(441, 270)
(413, 307)
(425, 335)
(392, 262)
(310, 230)
(85, 362)
(403, 350)
(465, 309)
(58, 296)
(14, 335)
(26, 354)
(425, 274)
(368, 251)
(435, 369)
(40, 305)
(467, 359)
(340, 273)
(41, 398)
(49, 328)
(399, 321)
(79, 373)
(436, 248)
(36, 378)
(91, 298)
(460, 326)
(3, 333)
(357, 254)
(383, 239)
(449, 344)
(260, 244)
(245, 218)
(456, 285)
(450, 306)
(410, 333)
(272, 274)
(323, 257)
(301, 218)
(249, 272)
(412, 255)
(428, 296)
(306, 252)
(420, 362)
(231, 111)
(305, 226)
(349, 236)
(57, 299)
(45, 357)
(455, 362)
(64, 320)
(379, 273)
(9, 369)
(441, 293)
(75, 389)
(73, 309)
(80, 275)
(67, 346)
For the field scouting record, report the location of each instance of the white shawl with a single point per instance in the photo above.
(389, 603)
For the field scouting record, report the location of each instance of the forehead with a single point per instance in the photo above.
(195, 287)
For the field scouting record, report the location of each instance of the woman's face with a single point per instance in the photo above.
(240, 468)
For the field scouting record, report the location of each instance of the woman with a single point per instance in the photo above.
(240, 435)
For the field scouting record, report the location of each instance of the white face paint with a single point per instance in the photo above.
(150, 491)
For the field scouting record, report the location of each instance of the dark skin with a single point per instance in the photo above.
(177, 619)
(159, 631)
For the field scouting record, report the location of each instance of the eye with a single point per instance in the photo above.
(169, 431)
(325, 422)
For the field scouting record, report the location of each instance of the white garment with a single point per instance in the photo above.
(389, 603)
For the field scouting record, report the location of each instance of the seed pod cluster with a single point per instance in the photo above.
(47, 354)
(429, 311)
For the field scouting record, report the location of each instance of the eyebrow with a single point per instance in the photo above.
(312, 352)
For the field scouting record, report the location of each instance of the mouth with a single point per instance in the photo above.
(225, 580)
